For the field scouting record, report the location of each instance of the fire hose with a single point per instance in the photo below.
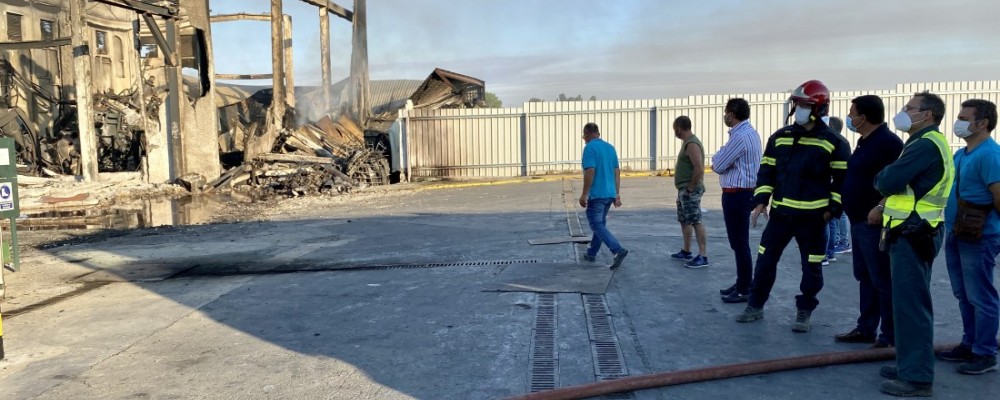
(672, 378)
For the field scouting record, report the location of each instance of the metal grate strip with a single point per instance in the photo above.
(544, 358)
(609, 363)
(435, 265)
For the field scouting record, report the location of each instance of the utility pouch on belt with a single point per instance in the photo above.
(921, 238)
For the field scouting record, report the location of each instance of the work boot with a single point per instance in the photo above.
(750, 314)
(978, 365)
(960, 353)
(888, 372)
(900, 388)
(802, 324)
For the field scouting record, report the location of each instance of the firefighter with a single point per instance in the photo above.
(800, 176)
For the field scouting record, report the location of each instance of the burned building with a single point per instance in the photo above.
(129, 61)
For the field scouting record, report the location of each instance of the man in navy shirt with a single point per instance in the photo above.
(877, 148)
(601, 184)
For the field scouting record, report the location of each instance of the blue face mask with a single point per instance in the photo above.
(850, 124)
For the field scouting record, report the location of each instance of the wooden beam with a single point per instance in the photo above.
(236, 77)
(35, 44)
(84, 85)
(324, 54)
(333, 8)
(166, 48)
(239, 17)
(289, 61)
(142, 7)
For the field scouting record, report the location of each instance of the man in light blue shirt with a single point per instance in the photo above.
(601, 184)
(971, 260)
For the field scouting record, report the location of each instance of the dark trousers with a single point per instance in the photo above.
(807, 230)
(736, 213)
(912, 311)
(871, 269)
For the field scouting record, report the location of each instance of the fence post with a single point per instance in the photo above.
(525, 165)
(653, 145)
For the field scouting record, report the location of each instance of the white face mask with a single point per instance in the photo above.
(802, 115)
(902, 121)
(962, 129)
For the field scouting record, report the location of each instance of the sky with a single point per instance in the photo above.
(638, 49)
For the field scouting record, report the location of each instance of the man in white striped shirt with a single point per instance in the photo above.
(737, 163)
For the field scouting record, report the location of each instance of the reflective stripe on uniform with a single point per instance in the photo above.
(838, 164)
(815, 259)
(819, 143)
(760, 249)
(835, 197)
(763, 189)
(802, 205)
(768, 161)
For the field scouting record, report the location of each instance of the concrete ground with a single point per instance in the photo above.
(337, 299)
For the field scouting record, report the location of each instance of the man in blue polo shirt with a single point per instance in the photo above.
(971, 258)
(601, 183)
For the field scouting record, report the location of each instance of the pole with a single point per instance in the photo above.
(174, 98)
(83, 84)
(324, 54)
(279, 102)
(289, 64)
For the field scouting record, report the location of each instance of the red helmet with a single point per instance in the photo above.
(813, 93)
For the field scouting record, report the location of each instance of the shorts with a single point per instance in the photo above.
(689, 206)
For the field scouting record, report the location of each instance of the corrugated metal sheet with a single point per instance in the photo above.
(544, 137)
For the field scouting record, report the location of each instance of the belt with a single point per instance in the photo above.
(736, 190)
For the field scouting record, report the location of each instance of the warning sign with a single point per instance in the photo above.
(6, 196)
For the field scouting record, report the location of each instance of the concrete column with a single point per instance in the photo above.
(324, 54)
(289, 64)
(279, 102)
(83, 83)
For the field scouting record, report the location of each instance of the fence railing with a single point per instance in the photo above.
(545, 137)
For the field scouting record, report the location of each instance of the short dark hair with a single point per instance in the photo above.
(933, 103)
(683, 123)
(984, 110)
(871, 106)
(739, 107)
(591, 128)
(836, 124)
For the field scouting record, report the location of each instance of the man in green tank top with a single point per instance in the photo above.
(689, 174)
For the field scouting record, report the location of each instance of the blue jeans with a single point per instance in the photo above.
(844, 238)
(597, 216)
(832, 231)
(970, 267)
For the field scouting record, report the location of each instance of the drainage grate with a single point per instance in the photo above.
(544, 358)
(609, 363)
(432, 265)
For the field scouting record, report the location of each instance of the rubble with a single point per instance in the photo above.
(329, 157)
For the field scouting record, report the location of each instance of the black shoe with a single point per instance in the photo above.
(978, 365)
(960, 353)
(854, 336)
(727, 291)
(888, 372)
(735, 297)
(619, 257)
(900, 388)
(881, 345)
(802, 324)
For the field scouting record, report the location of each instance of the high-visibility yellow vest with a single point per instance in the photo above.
(930, 207)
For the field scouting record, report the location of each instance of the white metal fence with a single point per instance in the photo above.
(545, 137)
